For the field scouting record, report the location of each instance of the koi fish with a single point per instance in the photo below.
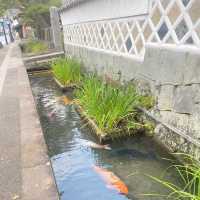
(112, 181)
(97, 146)
(65, 100)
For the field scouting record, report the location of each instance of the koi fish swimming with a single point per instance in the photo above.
(65, 100)
(97, 146)
(111, 180)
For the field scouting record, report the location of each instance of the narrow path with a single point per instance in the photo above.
(25, 171)
(4, 56)
(3, 52)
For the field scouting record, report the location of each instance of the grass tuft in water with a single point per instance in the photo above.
(112, 108)
(35, 47)
(189, 175)
(67, 71)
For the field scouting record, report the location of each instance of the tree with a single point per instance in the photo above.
(6, 4)
(24, 4)
(35, 13)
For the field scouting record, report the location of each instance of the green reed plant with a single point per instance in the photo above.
(35, 46)
(189, 174)
(67, 71)
(110, 106)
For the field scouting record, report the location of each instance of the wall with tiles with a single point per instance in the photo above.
(169, 22)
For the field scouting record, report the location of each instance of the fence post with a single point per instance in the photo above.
(55, 28)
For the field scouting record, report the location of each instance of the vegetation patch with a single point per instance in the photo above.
(189, 173)
(112, 108)
(67, 72)
(34, 47)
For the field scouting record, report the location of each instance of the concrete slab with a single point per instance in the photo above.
(10, 164)
(42, 185)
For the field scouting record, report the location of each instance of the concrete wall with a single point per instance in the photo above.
(171, 74)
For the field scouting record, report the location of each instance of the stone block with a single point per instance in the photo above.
(175, 142)
(194, 126)
(164, 65)
(128, 67)
(180, 121)
(150, 64)
(188, 123)
(165, 98)
(184, 99)
(192, 68)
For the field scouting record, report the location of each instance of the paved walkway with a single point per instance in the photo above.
(25, 170)
(3, 52)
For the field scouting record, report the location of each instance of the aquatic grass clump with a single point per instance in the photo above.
(35, 47)
(147, 102)
(67, 71)
(189, 175)
(112, 108)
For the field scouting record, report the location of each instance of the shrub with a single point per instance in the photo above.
(66, 71)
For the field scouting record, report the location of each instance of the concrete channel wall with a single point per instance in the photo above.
(158, 50)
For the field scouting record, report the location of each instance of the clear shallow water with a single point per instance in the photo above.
(73, 160)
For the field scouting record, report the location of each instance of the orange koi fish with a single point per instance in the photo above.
(112, 180)
(65, 100)
(97, 146)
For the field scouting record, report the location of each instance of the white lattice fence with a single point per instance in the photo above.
(169, 21)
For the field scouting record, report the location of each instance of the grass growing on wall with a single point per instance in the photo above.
(190, 176)
(112, 108)
(67, 71)
(35, 47)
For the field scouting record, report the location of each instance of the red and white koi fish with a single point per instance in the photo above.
(111, 180)
(97, 146)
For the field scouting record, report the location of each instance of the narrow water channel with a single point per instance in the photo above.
(73, 161)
